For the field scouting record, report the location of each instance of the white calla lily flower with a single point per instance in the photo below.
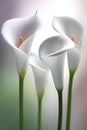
(40, 72)
(74, 31)
(69, 27)
(18, 33)
(53, 52)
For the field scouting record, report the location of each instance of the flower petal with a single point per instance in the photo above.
(69, 27)
(56, 64)
(21, 60)
(13, 29)
(20, 57)
(26, 46)
(49, 53)
(40, 72)
(55, 45)
(35, 61)
(73, 58)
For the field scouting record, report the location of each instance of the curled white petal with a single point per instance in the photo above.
(21, 60)
(70, 27)
(53, 53)
(73, 58)
(55, 45)
(40, 72)
(13, 29)
(57, 66)
(26, 46)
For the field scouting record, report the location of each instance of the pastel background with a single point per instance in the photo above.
(9, 78)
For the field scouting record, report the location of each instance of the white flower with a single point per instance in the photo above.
(40, 72)
(73, 58)
(18, 33)
(74, 31)
(69, 27)
(53, 53)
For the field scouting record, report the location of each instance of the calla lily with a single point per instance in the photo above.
(53, 53)
(49, 51)
(19, 33)
(40, 72)
(74, 31)
(41, 75)
(69, 27)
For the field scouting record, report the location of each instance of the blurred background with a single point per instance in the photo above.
(9, 78)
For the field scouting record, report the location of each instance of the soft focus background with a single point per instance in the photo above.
(9, 78)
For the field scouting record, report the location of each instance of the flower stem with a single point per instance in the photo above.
(68, 116)
(60, 109)
(21, 118)
(39, 111)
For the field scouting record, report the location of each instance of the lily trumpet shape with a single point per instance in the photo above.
(40, 71)
(69, 27)
(53, 53)
(18, 33)
(41, 75)
(74, 31)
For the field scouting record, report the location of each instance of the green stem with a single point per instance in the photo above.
(21, 118)
(60, 110)
(68, 116)
(39, 111)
